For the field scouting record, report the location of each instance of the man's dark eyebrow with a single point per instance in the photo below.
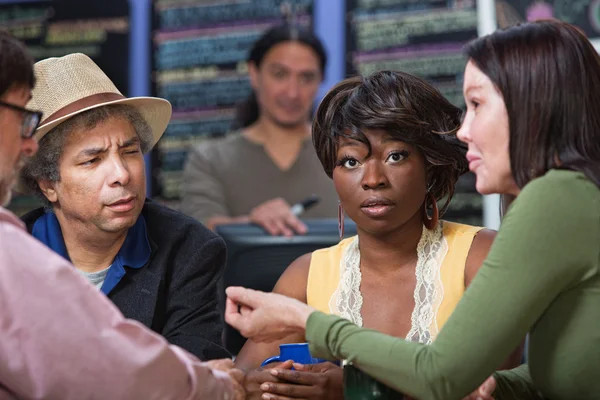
(91, 152)
(130, 142)
(94, 151)
(277, 65)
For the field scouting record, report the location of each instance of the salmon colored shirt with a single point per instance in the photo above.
(62, 339)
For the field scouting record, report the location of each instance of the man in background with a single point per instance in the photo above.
(258, 174)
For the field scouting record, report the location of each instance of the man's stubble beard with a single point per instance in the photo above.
(5, 194)
(8, 182)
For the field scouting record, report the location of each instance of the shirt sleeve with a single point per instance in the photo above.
(526, 269)
(515, 384)
(62, 339)
(203, 194)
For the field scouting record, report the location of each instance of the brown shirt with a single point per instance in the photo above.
(232, 175)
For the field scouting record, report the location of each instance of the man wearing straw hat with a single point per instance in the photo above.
(60, 338)
(157, 266)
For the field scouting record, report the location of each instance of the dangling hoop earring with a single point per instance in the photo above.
(340, 220)
(430, 222)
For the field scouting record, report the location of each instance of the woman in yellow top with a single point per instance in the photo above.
(379, 139)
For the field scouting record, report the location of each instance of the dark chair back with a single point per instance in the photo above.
(256, 260)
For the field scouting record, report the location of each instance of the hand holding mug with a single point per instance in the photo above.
(311, 381)
(257, 377)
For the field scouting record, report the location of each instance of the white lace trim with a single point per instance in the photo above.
(429, 291)
(347, 299)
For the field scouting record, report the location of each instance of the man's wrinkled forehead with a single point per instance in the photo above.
(106, 135)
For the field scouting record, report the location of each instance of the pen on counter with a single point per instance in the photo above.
(309, 202)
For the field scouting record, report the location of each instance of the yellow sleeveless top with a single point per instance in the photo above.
(325, 273)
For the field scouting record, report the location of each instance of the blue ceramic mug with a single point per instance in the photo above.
(297, 352)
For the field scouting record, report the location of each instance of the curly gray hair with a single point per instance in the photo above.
(44, 165)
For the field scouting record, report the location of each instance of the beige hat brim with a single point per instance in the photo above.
(156, 112)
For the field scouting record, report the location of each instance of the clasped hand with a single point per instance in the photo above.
(314, 381)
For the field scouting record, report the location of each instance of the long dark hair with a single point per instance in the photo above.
(248, 112)
(408, 109)
(16, 65)
(549, 76)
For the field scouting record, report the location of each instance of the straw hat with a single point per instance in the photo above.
(72, 84)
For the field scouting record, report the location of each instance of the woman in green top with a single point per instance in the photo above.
(533, 130)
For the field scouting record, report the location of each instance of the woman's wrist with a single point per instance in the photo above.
(301, 314)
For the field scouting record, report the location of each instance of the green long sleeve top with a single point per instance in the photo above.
(542, 276)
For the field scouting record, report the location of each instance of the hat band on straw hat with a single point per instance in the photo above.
(82, 104)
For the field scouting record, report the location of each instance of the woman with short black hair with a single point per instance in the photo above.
(389, 143)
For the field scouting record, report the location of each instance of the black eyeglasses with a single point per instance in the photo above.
(31, 119)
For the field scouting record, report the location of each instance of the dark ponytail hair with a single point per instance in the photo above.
(248, 111)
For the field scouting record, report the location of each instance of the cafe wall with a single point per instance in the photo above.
(132, 44)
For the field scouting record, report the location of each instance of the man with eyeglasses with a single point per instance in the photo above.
(59, 337)
(31, 119)
(16, 81)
